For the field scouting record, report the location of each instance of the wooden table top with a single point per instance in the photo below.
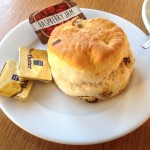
(13, 137)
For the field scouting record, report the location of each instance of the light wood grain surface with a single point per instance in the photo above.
(12, 137)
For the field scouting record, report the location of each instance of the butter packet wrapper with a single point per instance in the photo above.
(33, 64)
(26, 86)
(44, 21)
(10, 83)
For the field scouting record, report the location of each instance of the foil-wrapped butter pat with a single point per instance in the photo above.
(9, 80)
(33, 64)
(11, 84)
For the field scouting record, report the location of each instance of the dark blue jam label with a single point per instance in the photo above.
(38, 62)
(15, 77)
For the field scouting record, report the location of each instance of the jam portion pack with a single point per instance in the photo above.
(44, 21)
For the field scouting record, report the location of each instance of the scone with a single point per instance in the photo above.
(90, 59)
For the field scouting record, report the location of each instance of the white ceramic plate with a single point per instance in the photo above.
(146, 14)
(51, 115)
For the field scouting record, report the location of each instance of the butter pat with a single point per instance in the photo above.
(10, 83)
(9, 80)
(33, 64)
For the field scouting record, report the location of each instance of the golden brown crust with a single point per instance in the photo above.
(88, 44)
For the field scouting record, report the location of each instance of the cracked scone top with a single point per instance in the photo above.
(90, 59)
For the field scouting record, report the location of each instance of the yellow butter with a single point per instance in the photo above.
(24, 93)
(11, 85)
(33, 64)
(9, 80)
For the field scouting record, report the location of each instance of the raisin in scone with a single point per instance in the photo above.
(90, 59)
